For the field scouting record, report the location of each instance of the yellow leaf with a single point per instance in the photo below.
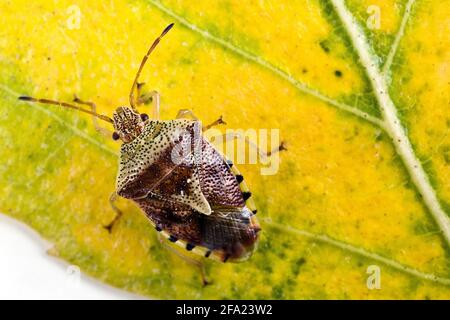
(360, 95)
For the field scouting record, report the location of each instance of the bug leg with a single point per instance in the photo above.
(112, 200)
(215, 123)
(188, 114)
(264, 155)
(199, 264)
(100, 129)
(146, 98)
(281, 147)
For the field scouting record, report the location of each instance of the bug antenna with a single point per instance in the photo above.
(144, 60)
(66, 105)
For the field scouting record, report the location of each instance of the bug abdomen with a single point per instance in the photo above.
(232, 231)
(228, 234)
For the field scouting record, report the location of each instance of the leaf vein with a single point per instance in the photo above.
(359, 251)
(393, 125)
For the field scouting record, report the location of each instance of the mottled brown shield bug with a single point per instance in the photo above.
(190, 192)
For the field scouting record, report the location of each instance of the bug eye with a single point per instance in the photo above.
(144, 116)
(115, 136)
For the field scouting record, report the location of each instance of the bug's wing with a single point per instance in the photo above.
(172, 161)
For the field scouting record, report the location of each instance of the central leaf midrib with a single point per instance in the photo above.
(393, 125)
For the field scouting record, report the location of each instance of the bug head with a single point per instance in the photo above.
(128, 124)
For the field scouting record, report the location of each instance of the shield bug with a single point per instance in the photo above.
(191, 193)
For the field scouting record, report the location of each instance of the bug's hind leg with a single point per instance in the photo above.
(214, 123)
(186, 113)
(100, 129)
(146, 98)
(112, 200)
(199, 264)
(234, 135)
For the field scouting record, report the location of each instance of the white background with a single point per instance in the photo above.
(28, 272)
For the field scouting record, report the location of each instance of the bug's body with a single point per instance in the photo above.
(188, 190)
